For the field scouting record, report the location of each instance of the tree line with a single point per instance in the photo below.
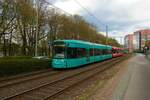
(21, 20)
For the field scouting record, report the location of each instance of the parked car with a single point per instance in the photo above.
(41, 57)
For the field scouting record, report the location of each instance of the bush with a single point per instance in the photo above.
(15, 57)
(16, 65)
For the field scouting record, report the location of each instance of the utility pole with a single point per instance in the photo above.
(36, 47)
(121, 40)
(106, 35)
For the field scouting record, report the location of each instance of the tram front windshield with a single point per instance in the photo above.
(59, 51)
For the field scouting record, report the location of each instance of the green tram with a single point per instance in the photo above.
(75, 53)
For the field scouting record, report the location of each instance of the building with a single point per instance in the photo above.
(128, 42)
(138, 40)
(141, 37)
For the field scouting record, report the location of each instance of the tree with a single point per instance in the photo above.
(22, 20)
(7, 20)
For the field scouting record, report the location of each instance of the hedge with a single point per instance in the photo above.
(9, 66)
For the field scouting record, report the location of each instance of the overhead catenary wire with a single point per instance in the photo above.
(91, 14)
(57, 7)
(88, 12)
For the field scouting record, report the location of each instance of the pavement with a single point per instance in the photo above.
(148, 54)
(135, 83)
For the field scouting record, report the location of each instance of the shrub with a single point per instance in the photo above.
(16, 65)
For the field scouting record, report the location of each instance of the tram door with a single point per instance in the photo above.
(88, 55)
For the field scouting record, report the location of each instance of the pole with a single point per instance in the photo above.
(140, 41)
(36, 47)
(120, 40)
(106, 35)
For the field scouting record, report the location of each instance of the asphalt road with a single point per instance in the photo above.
(135, 83)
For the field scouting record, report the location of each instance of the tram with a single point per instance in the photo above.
(75, 53)
(117, 51)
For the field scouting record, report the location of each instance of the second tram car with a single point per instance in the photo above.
(116, 51)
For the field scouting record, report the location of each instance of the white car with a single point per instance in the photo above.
(41, 57)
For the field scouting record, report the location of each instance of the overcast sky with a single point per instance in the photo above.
(122, 16)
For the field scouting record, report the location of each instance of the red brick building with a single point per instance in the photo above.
(138, 40)
(128, 42)
(141, 37)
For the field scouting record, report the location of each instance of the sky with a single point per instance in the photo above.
(122, 16)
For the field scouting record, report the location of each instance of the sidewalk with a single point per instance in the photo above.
(148, 54)
(135, 85)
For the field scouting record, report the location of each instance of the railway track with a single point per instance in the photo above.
(51, 86)
(27, 77)
(23, 75)
(89, 74)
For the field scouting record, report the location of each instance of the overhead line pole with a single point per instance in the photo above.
(95, 18)
(36, 36)
(106, 35)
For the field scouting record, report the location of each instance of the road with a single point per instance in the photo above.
(135, 84)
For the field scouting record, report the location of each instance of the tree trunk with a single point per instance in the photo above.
(4, 47)
(24, 42)
(10, 43)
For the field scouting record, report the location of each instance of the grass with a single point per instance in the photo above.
(21, 64)
(101, 81)
(92, 89)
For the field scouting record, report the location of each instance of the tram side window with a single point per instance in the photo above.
(71, 53)
(105, 52)
(113, 51)
(99, 52)
(109, 52)
(81, 52)
(95, 52)
(76, 52)
(91, 52)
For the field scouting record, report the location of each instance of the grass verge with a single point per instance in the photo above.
(102, 80)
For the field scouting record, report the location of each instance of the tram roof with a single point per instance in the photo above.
(85, 44)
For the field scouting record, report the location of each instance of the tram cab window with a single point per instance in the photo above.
(59, 51)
